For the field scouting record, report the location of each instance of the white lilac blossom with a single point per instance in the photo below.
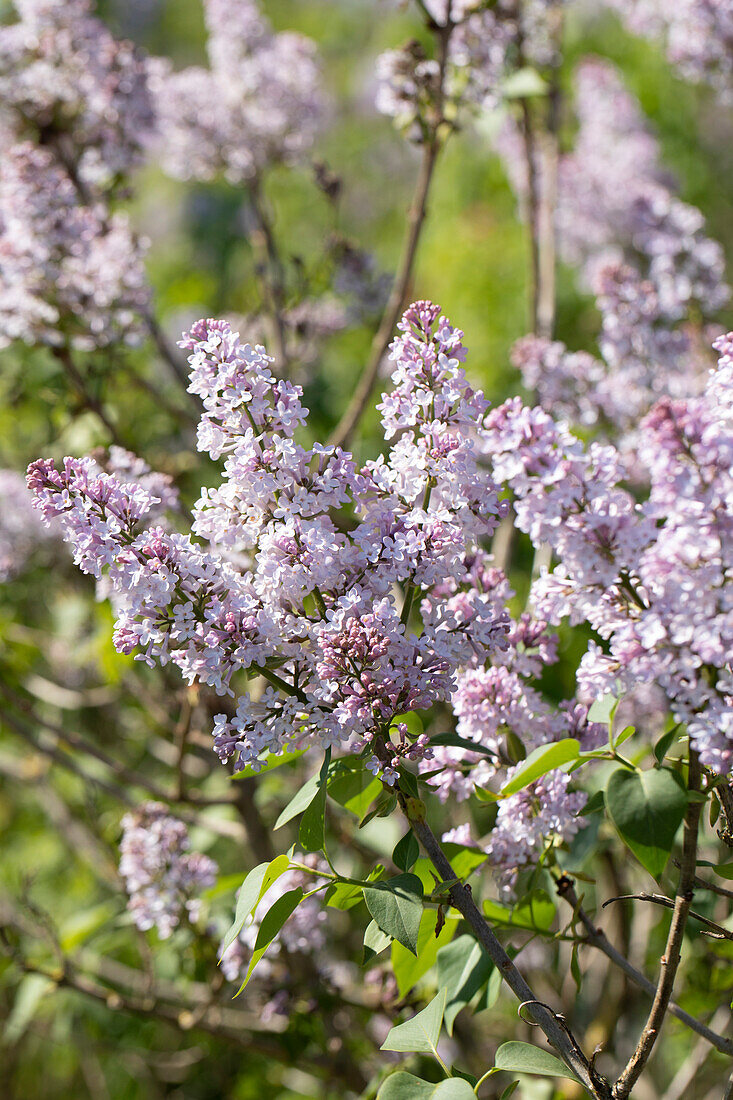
(698, 36)
(304, 932)
(653, 579)
(326, 610)
(162, 877)
(67, 84)
(21, 528)
(69, 272)
(259, 102)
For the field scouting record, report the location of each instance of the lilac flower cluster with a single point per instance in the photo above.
(259, 102)
(652, 579)
(484, 44)
(67, 84)
(310, 557)
(162, 877)
(69, 272)
(646, 256)
(304, 931)
(21, 528)
(76, 114)
(698, 35)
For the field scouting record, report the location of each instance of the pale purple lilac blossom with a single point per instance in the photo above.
(651, 578)
(67, 84)
(162, 877)
(313, 601)
(21, 528)
(258, 103)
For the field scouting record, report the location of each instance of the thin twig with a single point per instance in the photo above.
(395, 303)
(269, 269)
(63, 355)
(598, 939)
(672, 952)
(667, 903)
(170, 357)
(461, 897)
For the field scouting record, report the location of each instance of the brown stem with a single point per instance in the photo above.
(667, 903)
(598, 939)
(171, 359)
(269, 270)
(63, 355)
(395, 304)
(461, 898)
(672, 953)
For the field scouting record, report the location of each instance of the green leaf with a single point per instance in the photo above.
(406, 852)
(464, 861)
(535, 912)
(257, 882)
(626, 733)
(647, 809)
(724, 870)
(524, 83)
(594, 805)
(454, 741)
(396, 905)
(603, 709)
(420, 1034)
(523, 1058)
(665, 743)
(463, 968)
(312, 833)
(375, 941)
(272, 922)
(543, 760)
(352, 786)
(515, 747)
(269, 764)
(299, 802)
(32, 988)
(509, 1090)
(405, 1086)
(343, 895)
(412, 720)
(409, 968)
(575, 967)
(386, 804)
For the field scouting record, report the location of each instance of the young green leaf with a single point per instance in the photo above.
(375, 941)
(312, 833)
(353, 787)
(523, 1058)
(406, 852)
(342, 895)
(272, 922)
(269, 764)
(509, 1090)
(647, 809)
(299, 802)
(420, 1034)
(257, 882)
(396, 905)
(543, 760)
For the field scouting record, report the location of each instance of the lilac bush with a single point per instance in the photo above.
(396, 697)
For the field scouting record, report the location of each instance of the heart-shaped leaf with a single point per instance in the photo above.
(647, 808)
(420, 1034)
